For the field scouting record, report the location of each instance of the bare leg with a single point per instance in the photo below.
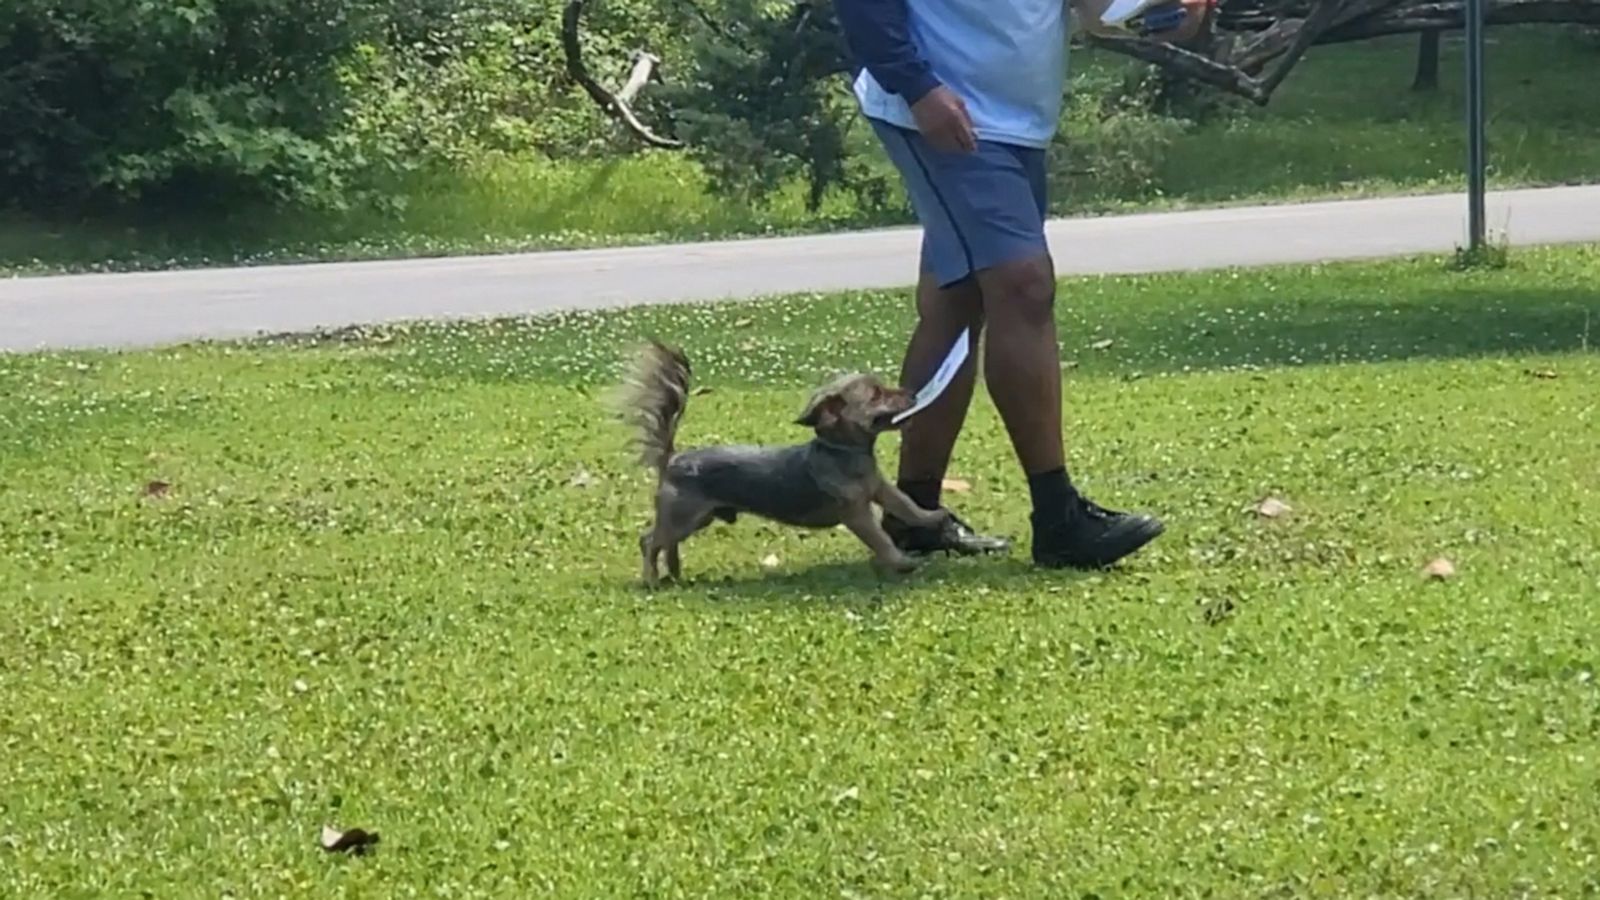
(929, 438)
(864, 525)
(1023, 362)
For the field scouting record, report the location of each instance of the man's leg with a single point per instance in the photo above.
(1023, 370)
(983, 217)
(1023, 365)
(929, 438)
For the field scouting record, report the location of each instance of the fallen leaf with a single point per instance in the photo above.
(847, 795)
(747, 346)
(701, 391)
(157, 489)
(1272, 508)
(355, 839)
(1102, 344)
(582, 479)
(770, 561)
(1068, 364)
(1542, 373)
(1439, 569)
(300, 686)
(956, 485)
(743, 323)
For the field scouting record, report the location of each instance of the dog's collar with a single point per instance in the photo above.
(842, 448)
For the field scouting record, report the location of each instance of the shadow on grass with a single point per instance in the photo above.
(856, 584)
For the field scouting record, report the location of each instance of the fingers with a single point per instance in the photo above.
(966, 136)
(943, 119)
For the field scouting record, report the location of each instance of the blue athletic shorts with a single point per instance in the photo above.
(978, 209)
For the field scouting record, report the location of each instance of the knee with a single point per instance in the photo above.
(949, 308)
(1023, 292)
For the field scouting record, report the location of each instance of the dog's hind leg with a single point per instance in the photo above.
(693, 521)
(674, 563)
(679, 514)
(650, 551)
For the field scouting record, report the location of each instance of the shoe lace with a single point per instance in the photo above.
(1095, 510)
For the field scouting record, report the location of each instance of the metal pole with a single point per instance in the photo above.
(1476, 154)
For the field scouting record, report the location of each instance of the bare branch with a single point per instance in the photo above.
(1184, 63)
(1236, 61)
(644, 70)
(1414, 17)
(618, 106)
(1312, 27)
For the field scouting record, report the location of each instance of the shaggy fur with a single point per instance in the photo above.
(829, 480)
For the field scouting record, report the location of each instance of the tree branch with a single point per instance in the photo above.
(1311, 28)
(1416, 17)
(618, 106)
(1236, 65)
(644, 70)
(1184, 63)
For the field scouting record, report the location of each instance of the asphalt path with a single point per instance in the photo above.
(157, 308)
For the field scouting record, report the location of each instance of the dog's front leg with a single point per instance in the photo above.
(864, 525)
(897, 504)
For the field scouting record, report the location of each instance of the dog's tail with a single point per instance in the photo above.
(654, 392)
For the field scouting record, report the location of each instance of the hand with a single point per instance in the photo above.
(942, 118)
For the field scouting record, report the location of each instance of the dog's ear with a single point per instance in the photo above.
(822, 409)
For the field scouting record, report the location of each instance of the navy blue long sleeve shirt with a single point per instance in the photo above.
(1005, 59)
(878, 33)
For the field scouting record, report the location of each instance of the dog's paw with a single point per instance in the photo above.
(899, 565)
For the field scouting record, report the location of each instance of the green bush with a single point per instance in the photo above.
(303, 102)
(1112, 139)
(157, 99)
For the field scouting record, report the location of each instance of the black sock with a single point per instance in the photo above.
(924, 492)
(1052, 491)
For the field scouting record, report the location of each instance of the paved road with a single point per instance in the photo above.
(146, 309)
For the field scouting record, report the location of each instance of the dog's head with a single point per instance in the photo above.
(854, 409)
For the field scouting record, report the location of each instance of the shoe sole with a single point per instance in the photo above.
(954, 551)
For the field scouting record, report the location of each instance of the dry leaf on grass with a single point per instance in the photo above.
(355, 840)
(157, 489)
(1543, 373)
(956, 485)
(743, 323)
(1102, 344)
(770, 561)
(582, 479)
(1272, 508)
(1439, 569)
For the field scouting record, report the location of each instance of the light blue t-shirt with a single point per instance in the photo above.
(1006, 58)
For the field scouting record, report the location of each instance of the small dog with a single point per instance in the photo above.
(829, 480)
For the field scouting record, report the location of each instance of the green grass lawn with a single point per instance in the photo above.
(392, 585)
(1345, 124)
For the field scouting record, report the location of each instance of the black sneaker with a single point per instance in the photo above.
(954, 536)
(1090, 536)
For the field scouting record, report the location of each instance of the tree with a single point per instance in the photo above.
(764, 98)
(1427, 77)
